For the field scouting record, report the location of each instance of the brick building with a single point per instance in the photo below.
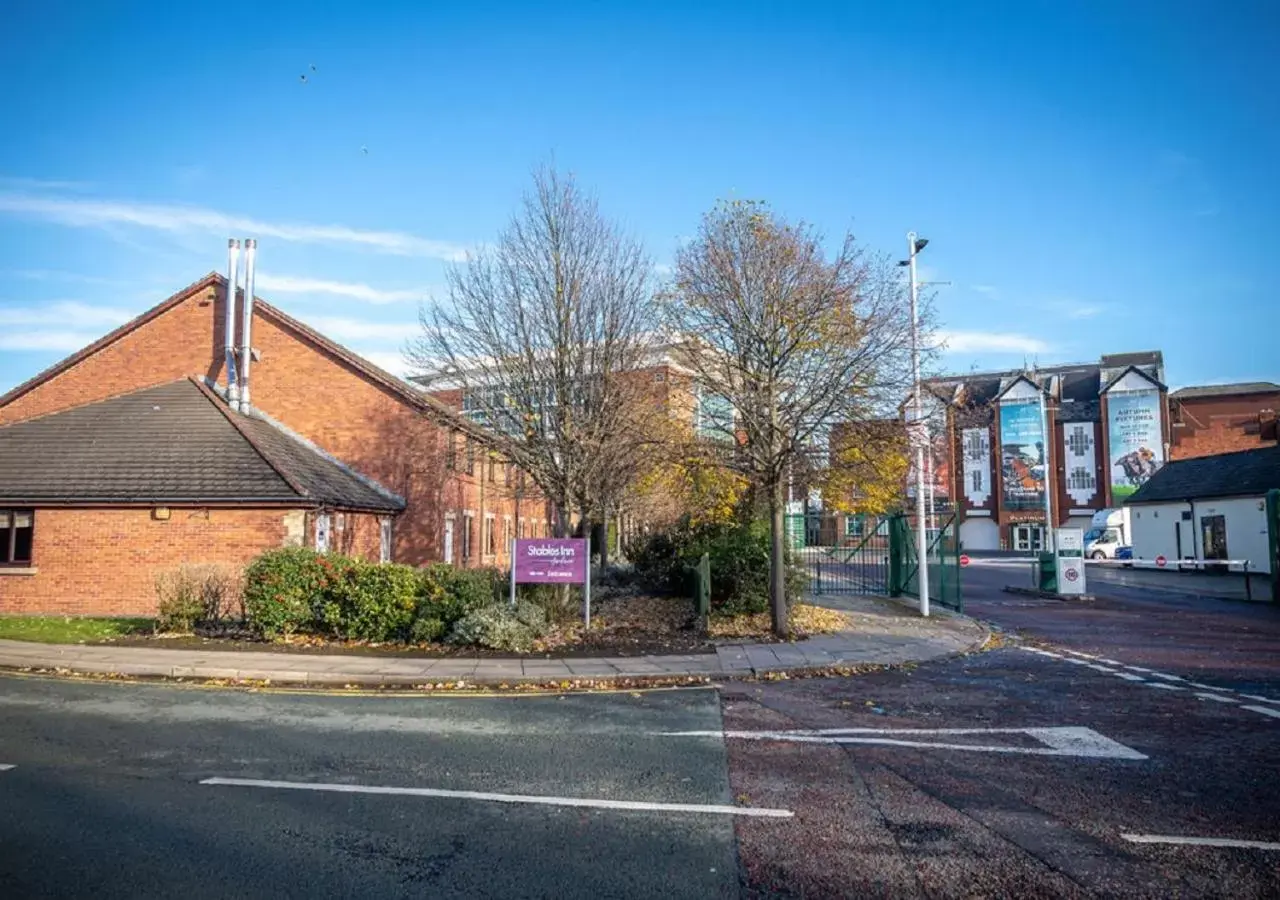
(1108, 430)
(1223, 418)
(461, 503)
(98, 500)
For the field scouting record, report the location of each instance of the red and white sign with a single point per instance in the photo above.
(1071, 574)
(1160, 561)
(964, 560)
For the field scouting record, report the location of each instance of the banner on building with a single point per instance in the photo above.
(1022, 459)
(976, 465)
(1080, 457)
(1135, 440)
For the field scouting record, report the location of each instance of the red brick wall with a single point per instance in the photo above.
(184, 340)
(105, 561)
(1212, 425)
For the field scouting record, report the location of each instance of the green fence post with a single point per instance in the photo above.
(1273, 541)
(895, 556)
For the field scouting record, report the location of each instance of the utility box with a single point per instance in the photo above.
(1070, 561)
(1047, 572)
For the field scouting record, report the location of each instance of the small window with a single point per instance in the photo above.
(659, 377)
(471, 457)
(466, 537)
(322, 532)
(384, 535)
(506, 474)
(493, 469)
(490, 539)
(17, 535)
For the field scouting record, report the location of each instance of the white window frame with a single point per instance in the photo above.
(385, 539)
(323, 533)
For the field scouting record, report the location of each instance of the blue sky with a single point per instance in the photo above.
(1093, 177)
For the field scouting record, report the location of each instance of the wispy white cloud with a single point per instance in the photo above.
(989, 290)
(86, 212)
(288, 284)
(346, 330)
(50, 339)
(62, 312)
(41, 184)
(394, 363)
(990, 342)
(1078, 311)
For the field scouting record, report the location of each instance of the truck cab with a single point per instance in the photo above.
(1108, 532)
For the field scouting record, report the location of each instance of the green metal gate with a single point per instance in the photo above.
(883, 561)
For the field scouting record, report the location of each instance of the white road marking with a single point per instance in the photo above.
(1167, 677)
(1259, 699)
(1127, 676)
(1199, 841)
(762, 812)
(1209, 687)
(1060, 741)
(6, 768)
(1138, 669)
(1218, 697)
(1110, 662)
(1098, 668)
(1163, 687)
(1265, 710)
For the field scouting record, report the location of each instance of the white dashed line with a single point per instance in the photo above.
(762, 812)
(1265, 710)
(1139, 669)
(1208, 687)
(6, 768)
(1098, 668)
(1199, 841)
(1163, 687)
(1167, 677)
(1259, 699)
(1218, 697)
(1127, 676)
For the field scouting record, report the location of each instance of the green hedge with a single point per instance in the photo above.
(739, 557)
(298, 591)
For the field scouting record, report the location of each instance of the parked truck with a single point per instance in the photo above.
(1109, 530)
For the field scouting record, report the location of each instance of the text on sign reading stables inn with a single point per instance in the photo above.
(551, 561)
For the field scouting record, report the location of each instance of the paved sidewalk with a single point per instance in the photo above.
(884, 632)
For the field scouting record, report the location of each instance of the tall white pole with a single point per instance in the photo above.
(922, 532)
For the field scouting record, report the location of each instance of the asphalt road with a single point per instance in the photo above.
(1012, 773)
(105, 797)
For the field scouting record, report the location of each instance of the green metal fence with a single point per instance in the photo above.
(881, 559)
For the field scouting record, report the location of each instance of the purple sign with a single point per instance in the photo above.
(551, 561)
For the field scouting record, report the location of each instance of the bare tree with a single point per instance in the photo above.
(544, 332)
(791, 343)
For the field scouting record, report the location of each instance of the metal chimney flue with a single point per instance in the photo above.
(233, 266)
(246, 329)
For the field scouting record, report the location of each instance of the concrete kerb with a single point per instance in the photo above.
(556, 675)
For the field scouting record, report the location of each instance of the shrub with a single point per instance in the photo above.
(739, 558)
(449, 594)
(426, 630)
(497, 627)
(193, 595)
(369, 601)
(284, 592)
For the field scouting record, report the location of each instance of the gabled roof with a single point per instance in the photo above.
(1019, 378)
(404, 391)
(1147, 376)
(1226, 390)
(1246, 473)
(174, 444)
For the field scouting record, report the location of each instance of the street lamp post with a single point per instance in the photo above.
(914, 246)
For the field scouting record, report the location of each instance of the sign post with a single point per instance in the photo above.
(553, 561)
(1070, 542)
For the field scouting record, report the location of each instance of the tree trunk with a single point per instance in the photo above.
(778, 562)
(600, 539)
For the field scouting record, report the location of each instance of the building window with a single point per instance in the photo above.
(322, 532)
(659, 376)
(506, 532)
(493, 470)
(466, 536)
(506, 474)
(451, 451)
(471, 457)
(17, 535)
(714, 417)
(490, 539)
(384, 536)
(853, 526)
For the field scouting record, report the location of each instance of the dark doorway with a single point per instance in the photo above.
(1213, 534)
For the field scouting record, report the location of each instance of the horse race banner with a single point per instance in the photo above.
(1022, 455)
(1135, 440)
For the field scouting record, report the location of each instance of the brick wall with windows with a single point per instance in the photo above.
(310, 390)
(105, 561)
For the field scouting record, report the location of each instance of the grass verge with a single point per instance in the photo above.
(68, 629)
